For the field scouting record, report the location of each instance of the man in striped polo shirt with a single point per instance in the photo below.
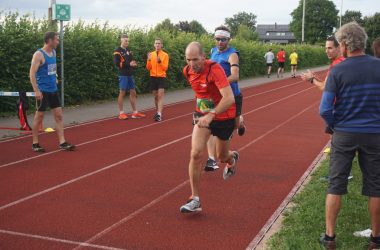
(350, 107)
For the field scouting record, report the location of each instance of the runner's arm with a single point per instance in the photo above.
(36, 62)
(227, 100)
(165, 63)
(234, 60)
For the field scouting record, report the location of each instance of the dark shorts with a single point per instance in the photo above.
(157, 83)
(293, 65)
(221, 129)
(126, 83)
(50, 99)
(269, 64)
(239, 104)
(281, 64)
(344, 147)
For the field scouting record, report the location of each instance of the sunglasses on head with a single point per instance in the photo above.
(223, 40)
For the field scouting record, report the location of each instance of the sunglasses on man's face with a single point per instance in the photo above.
(223, 40)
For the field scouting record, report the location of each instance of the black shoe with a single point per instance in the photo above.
(211, 165)
(329, 244)
(37, 148)
(374, 243)
(67, 146)
(158, 118)
(155, 116)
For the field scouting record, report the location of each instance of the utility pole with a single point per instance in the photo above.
(303, 21)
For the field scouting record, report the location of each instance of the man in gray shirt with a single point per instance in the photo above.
(269, 57)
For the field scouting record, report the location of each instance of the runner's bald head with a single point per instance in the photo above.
(195, 47)
(195, 56)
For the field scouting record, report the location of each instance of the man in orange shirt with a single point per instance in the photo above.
(215, 115)
(281, 62)
(157, 64)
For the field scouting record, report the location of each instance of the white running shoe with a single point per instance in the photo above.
(191, 206)
(229, 170)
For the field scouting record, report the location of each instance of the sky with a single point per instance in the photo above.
(147, 13)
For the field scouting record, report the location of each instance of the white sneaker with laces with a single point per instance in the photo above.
(191, 206)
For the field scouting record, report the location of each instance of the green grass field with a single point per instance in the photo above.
(304, 223)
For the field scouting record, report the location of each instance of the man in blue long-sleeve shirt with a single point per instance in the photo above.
(350, 107)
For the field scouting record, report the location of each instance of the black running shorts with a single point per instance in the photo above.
(221, 129)
(157, 83)
(49, 99)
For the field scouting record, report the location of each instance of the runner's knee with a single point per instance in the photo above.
(196, 155)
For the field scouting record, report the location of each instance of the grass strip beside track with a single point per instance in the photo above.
(304, 221)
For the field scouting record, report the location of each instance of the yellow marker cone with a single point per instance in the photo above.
(327, 150)
(49, 130)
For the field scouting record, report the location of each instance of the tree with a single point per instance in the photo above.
(372, 27)
(245, 18)
(166, 25)
(197, 28)
(352, 15)
(245, 33)
(192, 27)
(320, 20)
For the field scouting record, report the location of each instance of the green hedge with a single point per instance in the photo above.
(89, 71)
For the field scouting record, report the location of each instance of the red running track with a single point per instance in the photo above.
(123, 187)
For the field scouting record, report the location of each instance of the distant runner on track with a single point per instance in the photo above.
(269, 58)
(215, 115)
(293, 63)
(43, 77)
(281, 62)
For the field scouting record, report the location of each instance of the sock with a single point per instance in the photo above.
(135, 112)
(328, 238)
(375, 239)
(212, 158)
(159, 113)
(195, 198)
(233, 164)
(121, 112)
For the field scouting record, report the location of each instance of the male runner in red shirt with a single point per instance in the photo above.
(333, 53)
(281, 62)
(215, 115)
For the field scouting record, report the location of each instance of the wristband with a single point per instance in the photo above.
(213, 112)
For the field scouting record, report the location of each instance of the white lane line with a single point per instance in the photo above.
(127, 131)
(123, 161)
(149, 109)
(132, 215)
(160, 198)
(91, 173)
(94, 140)
(270, 222)
(40, 237)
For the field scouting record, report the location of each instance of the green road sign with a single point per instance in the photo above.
(61, 12)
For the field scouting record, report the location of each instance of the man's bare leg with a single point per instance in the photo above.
(199, 140)
(37, 121)
(120, 101)
(132, 99)
(58, 117)
(160, 100)
(374, 210)
(333, 205)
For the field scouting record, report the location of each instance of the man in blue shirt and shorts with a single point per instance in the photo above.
(43, 77)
